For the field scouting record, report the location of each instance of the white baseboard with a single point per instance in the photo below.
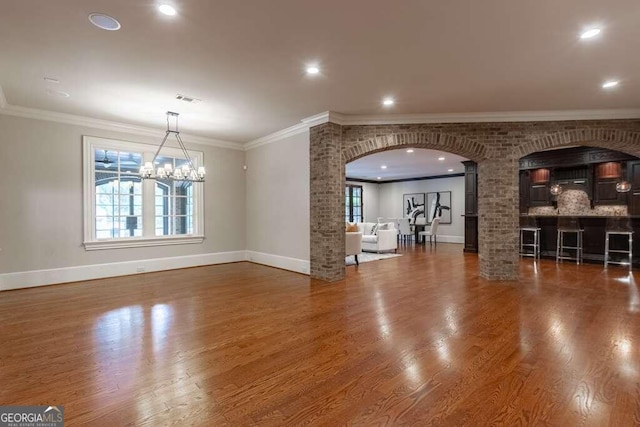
(450, 239)
(286, 263)
(29, 279)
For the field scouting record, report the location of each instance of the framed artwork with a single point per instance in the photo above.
(439, 204)
(413, 205)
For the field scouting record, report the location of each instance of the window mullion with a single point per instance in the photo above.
(174, 207)
(148, 201)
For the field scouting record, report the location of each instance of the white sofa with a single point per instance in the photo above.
(385, 239)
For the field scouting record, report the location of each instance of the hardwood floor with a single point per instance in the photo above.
(413, 340)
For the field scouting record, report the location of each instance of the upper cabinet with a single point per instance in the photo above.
(596, 171)
(575, 177)
(539, 183)
(607, 175)
(633, 176)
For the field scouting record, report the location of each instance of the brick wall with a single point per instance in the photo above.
(327, 202)
(496, 147)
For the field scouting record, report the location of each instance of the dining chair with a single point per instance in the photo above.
(432, 232)
(404, 229)
(420, 225)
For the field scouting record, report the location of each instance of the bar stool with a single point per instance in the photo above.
(620, 226)
(569, 225)
(529, 225)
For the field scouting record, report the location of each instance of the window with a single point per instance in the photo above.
(118, 194)
(123, 210)
(174, 208)
(353, 203)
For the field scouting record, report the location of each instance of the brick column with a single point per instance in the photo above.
(498, 225)
(327, 202)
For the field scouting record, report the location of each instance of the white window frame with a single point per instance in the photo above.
(89, 146)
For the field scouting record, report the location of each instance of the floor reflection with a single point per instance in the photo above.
(161, 318)
(122, 325)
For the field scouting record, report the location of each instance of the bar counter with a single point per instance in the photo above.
(593, 237)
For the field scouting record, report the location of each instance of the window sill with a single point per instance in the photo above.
(140, 242)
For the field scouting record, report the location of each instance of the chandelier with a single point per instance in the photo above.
(186, 172)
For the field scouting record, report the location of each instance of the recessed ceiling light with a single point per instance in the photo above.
(383, 167)
(105, 22)
(379, 177)
(388, 102)
(441, 158)
(51, 80)
(313, 70)
(410, 150)
(609, 84)
(167, 9)
(58, 93)
(590, 33)
(449, 170)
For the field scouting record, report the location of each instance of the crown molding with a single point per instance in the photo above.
(304, 126)
(496, 117)
(71, 119)
(400, 119)
(326, 117)
(277, 136)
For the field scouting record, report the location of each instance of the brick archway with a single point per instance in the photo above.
(429, 140)
(625, 141)
(496, 147)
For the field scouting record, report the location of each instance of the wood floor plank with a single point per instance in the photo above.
(413, 340)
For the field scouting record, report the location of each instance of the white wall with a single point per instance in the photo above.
(277, 214)
(390, 202)
(41, 207)
(370, 199)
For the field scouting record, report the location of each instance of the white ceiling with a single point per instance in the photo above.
(401, 164)
(246, 60)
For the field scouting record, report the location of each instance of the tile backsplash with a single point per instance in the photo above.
(576, 202)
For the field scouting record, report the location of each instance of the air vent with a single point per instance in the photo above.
(189, 99)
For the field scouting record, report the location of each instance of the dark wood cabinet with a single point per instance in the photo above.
(607, 176)
(594, 170)
(633, 176)
(539, 195)
(536, 184)
(470, 206)
(605, 193)
(524, 192)
(575, 177)
(471, 234)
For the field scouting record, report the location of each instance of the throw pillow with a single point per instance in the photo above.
(352, 228)
(384, 226)
(374, 230)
